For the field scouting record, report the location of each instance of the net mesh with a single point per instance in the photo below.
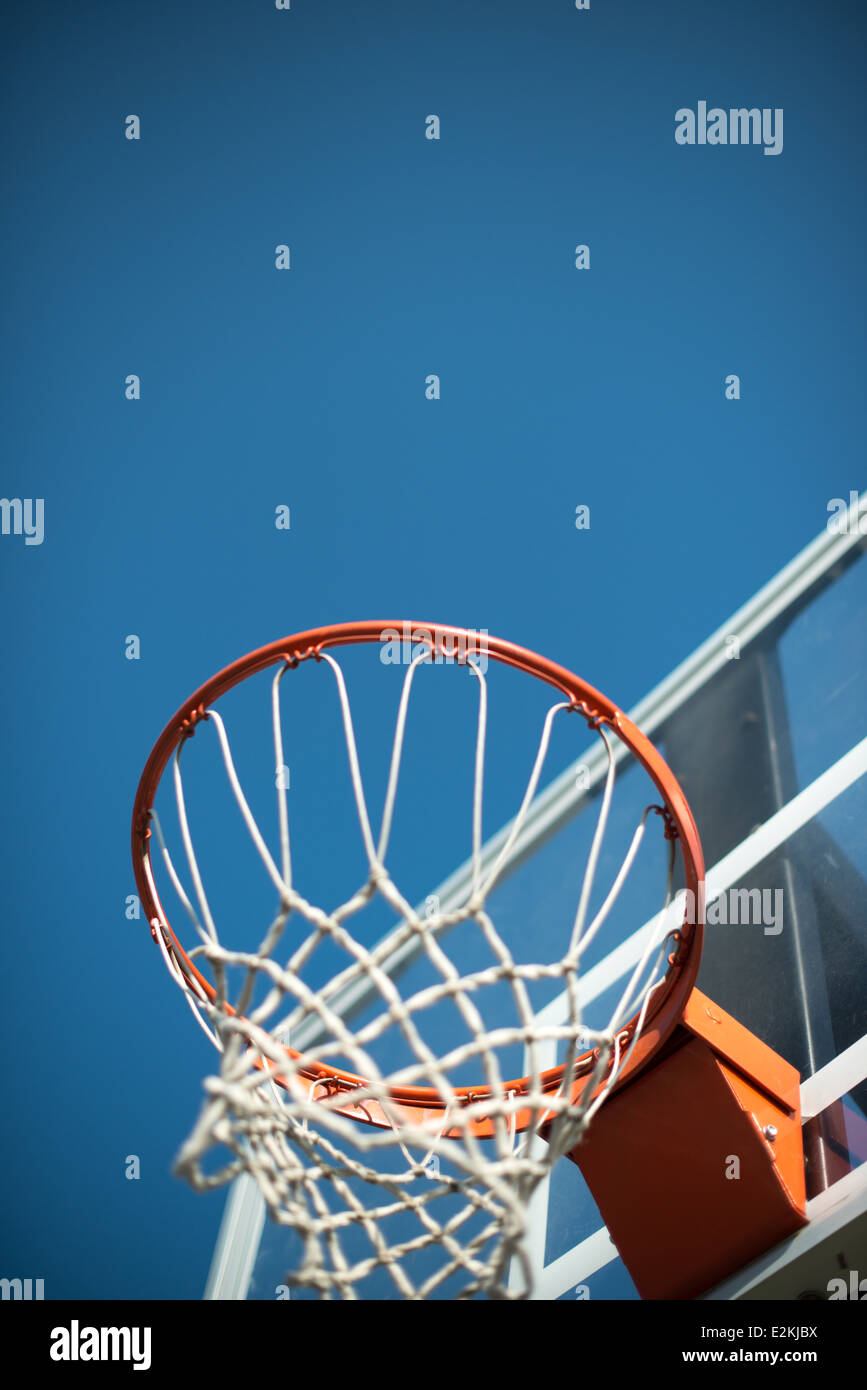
(370, 1179)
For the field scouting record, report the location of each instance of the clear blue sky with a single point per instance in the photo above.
(306, 387)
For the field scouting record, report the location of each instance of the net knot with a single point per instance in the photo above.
(193, 719)
(671, 831)
(593, 716)
(293, 659)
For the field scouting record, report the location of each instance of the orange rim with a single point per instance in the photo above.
(669, 997)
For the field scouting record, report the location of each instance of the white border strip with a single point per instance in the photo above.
(728, 871)
(831, 1211)
(834, 1080)
(238, 1242)
(575, 1266)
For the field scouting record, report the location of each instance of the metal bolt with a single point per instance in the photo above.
(770, 1133)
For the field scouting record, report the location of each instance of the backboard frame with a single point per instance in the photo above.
(841, 1207)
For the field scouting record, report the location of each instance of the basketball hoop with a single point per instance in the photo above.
(296, 1116)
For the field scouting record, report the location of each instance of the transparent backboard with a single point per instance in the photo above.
(765, 727)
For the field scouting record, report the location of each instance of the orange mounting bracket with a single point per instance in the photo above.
(697, 1163)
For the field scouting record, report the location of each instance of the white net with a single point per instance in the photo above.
(396, 1171)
